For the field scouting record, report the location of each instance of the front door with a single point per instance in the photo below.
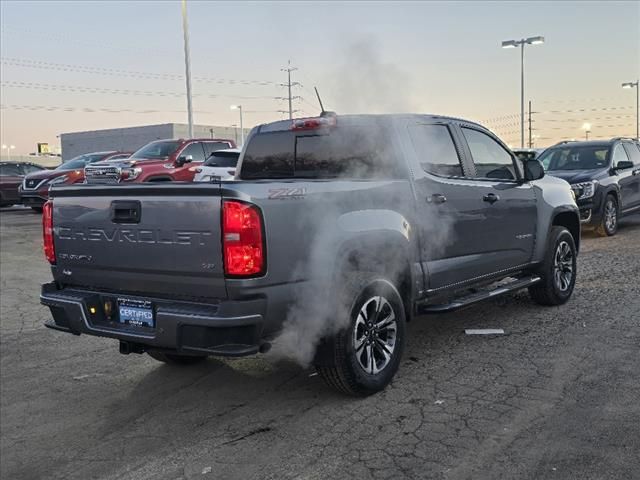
(507, 233)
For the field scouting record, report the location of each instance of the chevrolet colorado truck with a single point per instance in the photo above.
(158, 161)
(344, 227)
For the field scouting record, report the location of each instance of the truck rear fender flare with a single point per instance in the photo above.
(386, 252)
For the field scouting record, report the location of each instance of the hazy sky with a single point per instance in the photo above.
(69, 66)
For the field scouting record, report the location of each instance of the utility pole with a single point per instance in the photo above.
(289, 84)
(187, 66)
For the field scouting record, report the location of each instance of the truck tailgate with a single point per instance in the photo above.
(149, 240)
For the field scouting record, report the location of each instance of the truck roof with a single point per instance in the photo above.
(358, 119)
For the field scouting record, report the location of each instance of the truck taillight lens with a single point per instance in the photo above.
(242, 241)
(47, 232)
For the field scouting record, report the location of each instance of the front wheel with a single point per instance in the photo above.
(609, 223)
(558, 271)
(364, 357)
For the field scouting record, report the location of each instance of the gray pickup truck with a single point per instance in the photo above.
(336, 232)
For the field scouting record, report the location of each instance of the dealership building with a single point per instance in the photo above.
(131, 139)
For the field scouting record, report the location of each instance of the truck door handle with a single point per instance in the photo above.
(491, 198)
(436, 198)
(125, 211)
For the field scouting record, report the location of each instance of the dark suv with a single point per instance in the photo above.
(604, 175)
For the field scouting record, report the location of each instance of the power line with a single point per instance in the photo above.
(27, 63)
(115, 91)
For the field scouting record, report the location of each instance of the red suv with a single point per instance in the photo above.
(162, 160)
(34, 190)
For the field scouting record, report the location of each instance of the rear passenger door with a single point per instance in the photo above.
(448, 210)
(507, 233)
(629, 178)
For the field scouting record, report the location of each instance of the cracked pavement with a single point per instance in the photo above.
(556, 397)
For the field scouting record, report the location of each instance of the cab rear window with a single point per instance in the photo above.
(348, 152)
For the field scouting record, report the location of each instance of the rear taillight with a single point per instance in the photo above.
(47, 232)
(242, 240)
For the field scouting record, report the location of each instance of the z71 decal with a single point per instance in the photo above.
(285, 193)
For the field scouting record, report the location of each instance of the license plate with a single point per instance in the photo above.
(138, 313)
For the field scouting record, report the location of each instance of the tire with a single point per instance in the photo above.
(176, 359)
(558, 271)
(363, 358)
(37, 209)
(610, 213)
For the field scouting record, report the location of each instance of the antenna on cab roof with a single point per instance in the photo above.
(323, 112)
(319, 101)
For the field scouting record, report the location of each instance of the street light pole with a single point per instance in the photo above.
(632, 85)
(187, 65)
(521, 43)
(239, 107)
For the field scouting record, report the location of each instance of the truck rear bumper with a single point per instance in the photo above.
(229, 328)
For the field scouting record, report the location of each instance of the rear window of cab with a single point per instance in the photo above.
(343, 152)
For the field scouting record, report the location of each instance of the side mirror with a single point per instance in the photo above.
(623, 165)
(533, 170)
(180, 161)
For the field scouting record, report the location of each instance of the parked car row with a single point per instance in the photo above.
(198, 160)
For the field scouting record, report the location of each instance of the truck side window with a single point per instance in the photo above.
(435, 149)
(619, 155)
(633, 151)
(195, 150)
(492, 161)
(269, 155)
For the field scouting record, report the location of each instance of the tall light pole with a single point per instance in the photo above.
(521, 43)
(632, 85)
(239, 107)
(187, 65)
(8, 148)
(587, 130)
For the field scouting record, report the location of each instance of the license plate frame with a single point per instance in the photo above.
(136, 313)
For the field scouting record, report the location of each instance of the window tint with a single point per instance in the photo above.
(575, 158)
(269, 155)
(195, 150)
(213, 146)
(28, 168)
(436, 152)
(222, 159)
(490, 158)
(10, 170)
(633, 150)
(619, 155)
(349, 151)
(160, 149)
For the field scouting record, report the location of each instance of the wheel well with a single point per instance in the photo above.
(571, 221)
(388, 261)
(614, 194)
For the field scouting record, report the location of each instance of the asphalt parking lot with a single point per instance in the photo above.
(556, 397)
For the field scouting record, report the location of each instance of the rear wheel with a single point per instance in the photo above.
(609, 223)
(558, 272)
(363, 358)
(176, 359)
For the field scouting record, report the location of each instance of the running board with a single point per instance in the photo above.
(464, 301)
